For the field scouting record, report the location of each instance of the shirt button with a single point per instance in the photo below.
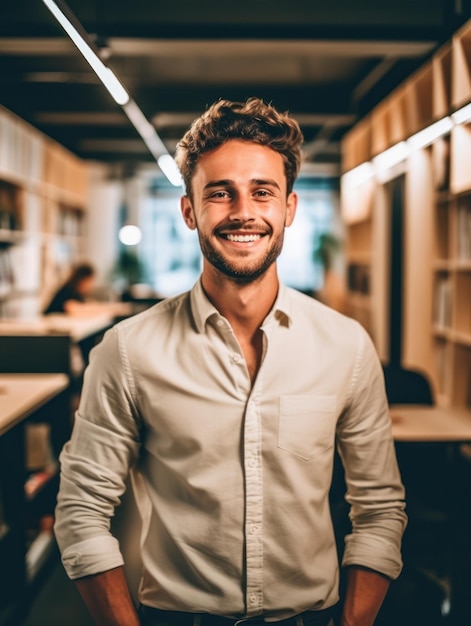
(252, 463)
(255, 528)
(236, 358)
(220, 322)
(253, 598)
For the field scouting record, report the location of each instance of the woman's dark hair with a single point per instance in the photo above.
(78, 273)
(252, 120)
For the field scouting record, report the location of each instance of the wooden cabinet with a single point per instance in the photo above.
(437, 240)
(43, 216)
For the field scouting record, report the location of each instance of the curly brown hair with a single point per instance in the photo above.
(253, 120)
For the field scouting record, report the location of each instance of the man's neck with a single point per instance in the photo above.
(245, 306)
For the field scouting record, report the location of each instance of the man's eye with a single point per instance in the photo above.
(220, 194)
(262, 193)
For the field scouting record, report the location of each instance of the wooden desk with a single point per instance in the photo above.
(78, 328)
(429, 441)
(430, 423)
(22, 394)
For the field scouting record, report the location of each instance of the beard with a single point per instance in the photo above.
(239, 272)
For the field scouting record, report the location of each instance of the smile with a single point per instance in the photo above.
(243, 238)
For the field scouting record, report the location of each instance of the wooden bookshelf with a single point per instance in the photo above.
(461, 72)
(441, 86)
(419, 99)
(437, 238)
(43, 216)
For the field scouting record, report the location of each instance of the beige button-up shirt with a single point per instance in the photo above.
(234, 477)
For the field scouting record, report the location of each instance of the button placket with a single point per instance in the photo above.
(254, 510)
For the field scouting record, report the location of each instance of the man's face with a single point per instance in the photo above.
(240, 208)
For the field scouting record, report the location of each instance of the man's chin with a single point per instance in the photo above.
(241, 275)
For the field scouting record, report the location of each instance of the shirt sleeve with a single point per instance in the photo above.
(95, 462)
(374, 488)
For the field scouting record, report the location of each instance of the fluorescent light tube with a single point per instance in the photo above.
(428, 135)
(463, 115)
(169, 168)
(390, 157)
(142, 125)
(109, 80)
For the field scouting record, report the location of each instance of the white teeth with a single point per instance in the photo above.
(243, 238)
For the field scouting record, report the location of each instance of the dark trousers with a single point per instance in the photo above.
(157, 617)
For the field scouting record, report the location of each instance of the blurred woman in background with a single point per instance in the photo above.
(71, 296)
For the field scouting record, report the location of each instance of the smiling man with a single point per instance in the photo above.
(229, 402)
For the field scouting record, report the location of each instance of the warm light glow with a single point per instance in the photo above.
(430, 134)
(169, 168)
(359, 175)
(130, 235)
(390, 157)
(400, 151)
(104, 73)
(463, 115)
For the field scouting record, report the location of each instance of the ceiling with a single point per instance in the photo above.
(327, 62)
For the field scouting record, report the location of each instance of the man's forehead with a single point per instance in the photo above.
(250, 160)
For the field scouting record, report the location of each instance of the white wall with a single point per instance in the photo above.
(105, 197)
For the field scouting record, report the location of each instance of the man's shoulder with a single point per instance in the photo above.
(316, 309)
(312, 316)
(156, 316)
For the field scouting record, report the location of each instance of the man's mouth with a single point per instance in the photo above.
(242, 238)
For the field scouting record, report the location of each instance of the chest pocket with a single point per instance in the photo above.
(306, 424)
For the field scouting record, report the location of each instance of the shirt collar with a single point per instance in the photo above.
(203, 310)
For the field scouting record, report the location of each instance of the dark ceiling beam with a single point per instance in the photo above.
(373, 77)
(79, 118)
(140, 46)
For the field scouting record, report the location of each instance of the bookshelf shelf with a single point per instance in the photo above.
(441, 265)
(441, 332)
(463, 339)
(42, 214)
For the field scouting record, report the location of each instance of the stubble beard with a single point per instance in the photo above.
(242, 275)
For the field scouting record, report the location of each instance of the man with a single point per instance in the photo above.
(229, 400)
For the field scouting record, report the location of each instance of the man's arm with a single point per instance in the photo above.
(364, 595)
(108, 599)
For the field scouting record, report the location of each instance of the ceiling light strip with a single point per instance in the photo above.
(146, 130)
(73, 28)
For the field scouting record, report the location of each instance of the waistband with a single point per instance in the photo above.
(159, 617)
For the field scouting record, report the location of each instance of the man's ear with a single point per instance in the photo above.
(187, 212)
(291, 206)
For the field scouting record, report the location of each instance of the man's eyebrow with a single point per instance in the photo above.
(268, 182)
(219, 183)
(226, 182)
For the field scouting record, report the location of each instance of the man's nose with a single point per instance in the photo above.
(241, 209)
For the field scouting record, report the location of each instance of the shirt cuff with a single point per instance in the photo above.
(92, 556)
(374, 553)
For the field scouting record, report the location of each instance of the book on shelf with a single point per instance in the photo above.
(442, 312)
(358, 278)
(6, 273)
(464, 232)
(442, 366)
